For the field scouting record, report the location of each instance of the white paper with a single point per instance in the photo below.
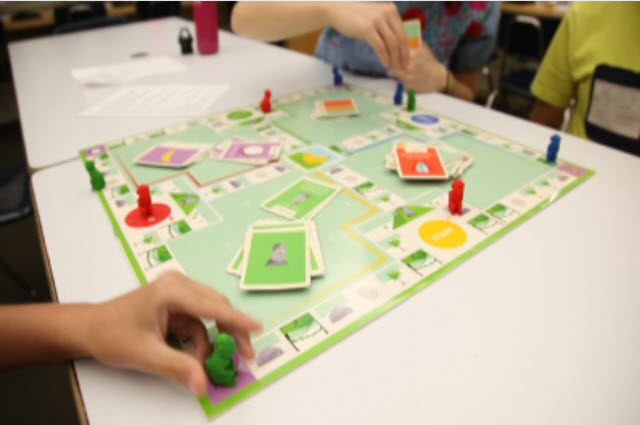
(158, 101)
(127, 71)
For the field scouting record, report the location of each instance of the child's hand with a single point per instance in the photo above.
(377, 23)
(425, 73)
(131, 331)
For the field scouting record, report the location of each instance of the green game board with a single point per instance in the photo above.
(382, 238)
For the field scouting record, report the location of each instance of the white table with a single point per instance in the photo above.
(49, 99)
(541, 327)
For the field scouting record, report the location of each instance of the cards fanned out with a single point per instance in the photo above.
(246, 151)
(173, 154)
(332, 108)
(416, 161)
(278, 255)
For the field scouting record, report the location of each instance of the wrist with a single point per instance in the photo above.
(446, 80)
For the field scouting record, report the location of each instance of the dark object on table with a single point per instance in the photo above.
(186, 41)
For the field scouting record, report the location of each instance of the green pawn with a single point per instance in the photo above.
(411, 103)
(90, 166)
(220, 365)
(97, 180)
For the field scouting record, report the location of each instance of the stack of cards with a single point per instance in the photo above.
(173, 154)
(414, 160)
(332, 108)
(237, 149)
(278, 255)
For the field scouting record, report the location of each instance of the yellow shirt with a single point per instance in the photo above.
(592, 33)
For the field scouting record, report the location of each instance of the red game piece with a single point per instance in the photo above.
(455, 197)
(147, 214)
(144, 200)
(266, 102)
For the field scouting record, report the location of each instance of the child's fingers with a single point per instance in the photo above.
(194, 329)
(189, 297)
(391, 43)
(379, 47)
(179, 366)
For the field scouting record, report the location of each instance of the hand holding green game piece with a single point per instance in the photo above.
(220, 365)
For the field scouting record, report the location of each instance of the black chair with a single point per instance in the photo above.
(522, 54)
(157, 9)
(103, 21)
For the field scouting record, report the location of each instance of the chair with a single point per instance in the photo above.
(103, 21)
(15, 200)
(523, 51)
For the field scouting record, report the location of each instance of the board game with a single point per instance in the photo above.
(318, 164)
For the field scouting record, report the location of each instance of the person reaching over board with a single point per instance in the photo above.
(129, 331)
(370, 38)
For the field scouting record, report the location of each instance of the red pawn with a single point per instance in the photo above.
(144, 200)
(266, 102)
(455, 197)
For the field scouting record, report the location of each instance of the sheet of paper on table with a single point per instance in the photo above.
(158, 101)
(126, 71)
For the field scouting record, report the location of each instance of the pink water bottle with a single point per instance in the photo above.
(205, 15)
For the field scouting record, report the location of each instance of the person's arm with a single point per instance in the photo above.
(547, 114)
(377, 23)
(426, 74)
(129, 331)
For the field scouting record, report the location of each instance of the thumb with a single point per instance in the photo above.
(181, 367)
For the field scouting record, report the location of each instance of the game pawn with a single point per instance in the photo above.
(97, 180)
(265, 105)
(411, 103)
(455, 197)
(337, 77)
(220, 366)
(552, 150)
(397, 97)
(147, 214)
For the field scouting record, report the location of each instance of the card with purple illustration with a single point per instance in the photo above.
(173, 154)
(250, 152)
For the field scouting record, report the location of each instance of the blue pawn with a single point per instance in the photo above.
(397, 98)
(337, 77)
(552, 150)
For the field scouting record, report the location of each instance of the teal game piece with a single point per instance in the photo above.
(97, 180)
(411, 103)
(220, 365)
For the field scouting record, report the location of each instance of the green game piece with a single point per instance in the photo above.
(220, 365)
(411, 103)
(97, 180)
(90, 166)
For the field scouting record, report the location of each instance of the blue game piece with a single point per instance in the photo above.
(397, 98)
(552, 150)
(337, 77)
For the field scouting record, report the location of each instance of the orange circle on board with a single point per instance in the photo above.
(442, 234)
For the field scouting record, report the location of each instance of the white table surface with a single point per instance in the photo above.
(540, 327)
(50, 99)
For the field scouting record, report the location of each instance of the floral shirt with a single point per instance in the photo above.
(461, 35)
